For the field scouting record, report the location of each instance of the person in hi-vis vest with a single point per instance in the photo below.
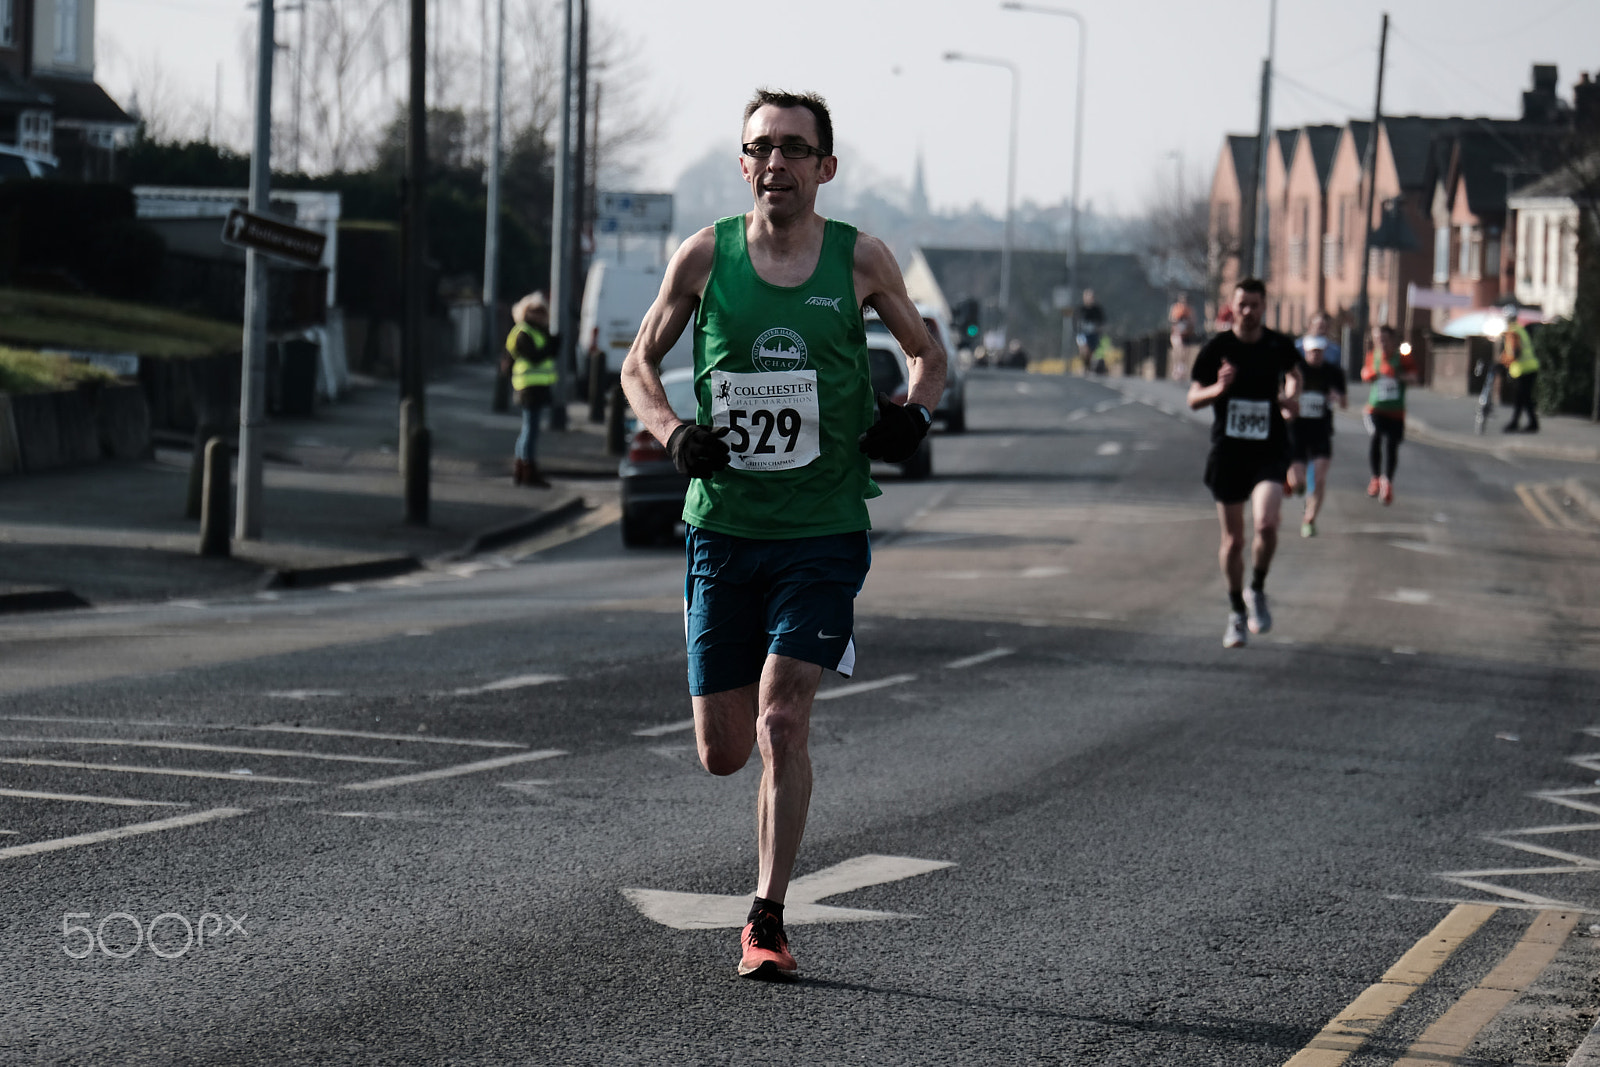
(1517, 356)
(531, 353)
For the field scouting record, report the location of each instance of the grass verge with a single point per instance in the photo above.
(53, 320)
(22, 371)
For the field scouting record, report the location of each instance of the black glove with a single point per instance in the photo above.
(698, 451)
(895, 436)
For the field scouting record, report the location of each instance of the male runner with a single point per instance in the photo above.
(778, 457)
(1249, 378)
(1311, 431)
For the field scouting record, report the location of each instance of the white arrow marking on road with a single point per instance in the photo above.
(864, 687)
(667, 728)
(982, 657)
(520, 681)
(710, 911)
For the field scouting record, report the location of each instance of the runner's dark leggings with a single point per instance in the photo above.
(1387, 433)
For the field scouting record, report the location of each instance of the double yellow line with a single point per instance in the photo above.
(1447, 1039)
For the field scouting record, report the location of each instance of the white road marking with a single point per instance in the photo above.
(1408, 596)
(95, 838)
(1424, 547)
(457, 770)
(168, 771)
(663, 730)
(1404, 650)
(1106, 405)
(193, 605)
(854, 688)
(343, 587)
(303, 694)
(1146, 446)
(194, 746)
(710, 911)
(10, 833)
(1023, 387)
(1045, 572)
(1074, 416)
(982, 657)
(1110, 448)
(88, 722)
(121, 802)
(521, 681)
(423, 739)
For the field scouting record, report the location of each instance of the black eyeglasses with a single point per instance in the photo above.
(791, 150)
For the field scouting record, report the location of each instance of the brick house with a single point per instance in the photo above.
(50, 104)
(1298, 276)
(1549, 228)
(1280, 152)
(1342, 232)
(1232, 213)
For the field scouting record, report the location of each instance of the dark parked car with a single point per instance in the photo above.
(952, 409)
(652, 488)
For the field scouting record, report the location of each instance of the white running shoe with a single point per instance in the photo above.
(1233, 636)
(1255, 605)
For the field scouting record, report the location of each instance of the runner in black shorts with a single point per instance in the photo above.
(1311, 431)
(1249, 378)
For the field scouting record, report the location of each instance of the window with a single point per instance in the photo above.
(1524, 257)
(1471, 252)
(8, 36)
(1332, 255)
(34, 132)
(1491, 253)
(67, 31)
(1441, 254)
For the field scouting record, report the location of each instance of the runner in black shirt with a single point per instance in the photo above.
(1311, 432)
(1248, 376)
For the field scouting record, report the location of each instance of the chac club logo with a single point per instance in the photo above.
(779, 349)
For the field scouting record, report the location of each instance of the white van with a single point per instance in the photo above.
(615, 298)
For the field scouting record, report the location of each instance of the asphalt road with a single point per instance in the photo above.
(411, 808)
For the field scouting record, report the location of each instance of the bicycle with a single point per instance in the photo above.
(1491, 372)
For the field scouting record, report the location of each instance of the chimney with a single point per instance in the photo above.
(1586, 105)
(1540, 105)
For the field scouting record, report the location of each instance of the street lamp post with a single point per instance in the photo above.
(1011, 180)
(1077, 138)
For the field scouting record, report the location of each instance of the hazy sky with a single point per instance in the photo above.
(1165, 77)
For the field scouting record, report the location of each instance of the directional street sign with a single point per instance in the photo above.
(301, 247)
(633, 213)
(709, 911)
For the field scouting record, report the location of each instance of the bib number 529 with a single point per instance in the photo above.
(743, 422)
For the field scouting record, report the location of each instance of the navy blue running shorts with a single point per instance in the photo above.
(744, 598)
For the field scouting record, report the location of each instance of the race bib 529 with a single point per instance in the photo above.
(772, 417)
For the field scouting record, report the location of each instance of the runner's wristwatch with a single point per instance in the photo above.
(922, 413)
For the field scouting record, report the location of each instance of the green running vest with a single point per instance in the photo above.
(787, 369)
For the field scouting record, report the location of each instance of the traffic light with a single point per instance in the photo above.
(965, 314)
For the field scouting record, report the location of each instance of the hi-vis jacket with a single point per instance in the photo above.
(1519, 357)
(534, 357)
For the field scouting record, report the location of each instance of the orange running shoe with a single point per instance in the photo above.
(1374, 485)
(1387, 491)
(766, 951)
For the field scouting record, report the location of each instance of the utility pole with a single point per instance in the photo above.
(414, 443)
(1259, 264)
(491, 236)
(561, 221)
(1369, 181)
(253, 379)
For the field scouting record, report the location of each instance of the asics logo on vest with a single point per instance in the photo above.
(824, 302)
(779, 349)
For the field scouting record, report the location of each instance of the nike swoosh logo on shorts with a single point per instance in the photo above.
(828, 637)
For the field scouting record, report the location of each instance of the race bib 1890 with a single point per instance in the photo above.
(1313, 405)
(1385, 389)
(1249, 420)
(772, 418)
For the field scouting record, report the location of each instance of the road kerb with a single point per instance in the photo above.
(1447, 1039)
(1350, 1029)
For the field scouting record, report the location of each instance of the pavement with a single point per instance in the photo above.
(332, 504)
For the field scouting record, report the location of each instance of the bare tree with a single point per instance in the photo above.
(1177, 237)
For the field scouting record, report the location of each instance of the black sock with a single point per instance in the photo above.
(1236, 600)
(762, 904)
(1258, 582)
